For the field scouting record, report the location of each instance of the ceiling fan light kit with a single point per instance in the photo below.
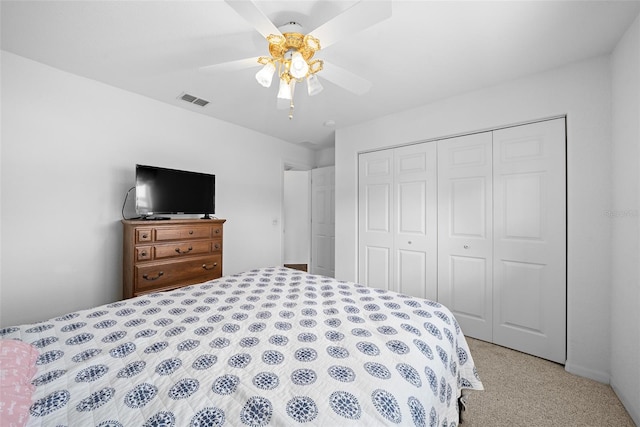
(285, 90)
(265, 75)
(292, 53)
(313, 85)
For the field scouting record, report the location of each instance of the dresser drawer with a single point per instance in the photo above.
(182, 233)
(181, 249)
(167, 275)
(143, 253)
(144, 235)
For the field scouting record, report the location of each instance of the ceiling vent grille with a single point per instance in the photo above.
(193, 99)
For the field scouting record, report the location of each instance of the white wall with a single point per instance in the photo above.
(582, 92)
(69, 149)
(326, 157)
(625, 221)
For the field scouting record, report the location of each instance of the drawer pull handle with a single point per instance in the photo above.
(206, 267)
(190, 231)
(217, 231)
(145, 235)
(146, 276)
(180, 251)
(216, 246)
(143, 253)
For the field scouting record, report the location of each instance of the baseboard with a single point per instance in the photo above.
(634, 412)
(601, 377)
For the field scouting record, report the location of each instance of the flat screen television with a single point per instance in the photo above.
(161, 191)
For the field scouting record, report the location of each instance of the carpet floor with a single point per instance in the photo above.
(524, 390)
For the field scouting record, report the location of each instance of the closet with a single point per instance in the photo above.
(489, 215)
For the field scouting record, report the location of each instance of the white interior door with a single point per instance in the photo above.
(465, 260)
(530, 239)
(415, 221)
(323, 221)
(375, 215)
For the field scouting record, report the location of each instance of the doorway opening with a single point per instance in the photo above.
(308, 224)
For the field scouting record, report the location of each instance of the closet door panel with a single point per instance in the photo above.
(375, 219)
(377, 269)
(415, 220)
(465, 261)
(468, 286)
(530, 239)
(521, 299)
(468, 207)
(411, 273)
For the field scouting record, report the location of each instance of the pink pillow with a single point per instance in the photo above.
(17, 367)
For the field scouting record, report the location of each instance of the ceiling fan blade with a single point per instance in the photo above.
(239, 64)
(360, 16)
(345, 79)
(254, 16)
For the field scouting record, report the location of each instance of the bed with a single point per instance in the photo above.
(271, 346)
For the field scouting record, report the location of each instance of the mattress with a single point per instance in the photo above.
(272, 346)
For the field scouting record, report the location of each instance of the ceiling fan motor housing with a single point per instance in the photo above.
(280, 45)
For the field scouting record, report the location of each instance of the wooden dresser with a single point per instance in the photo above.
(164, 255)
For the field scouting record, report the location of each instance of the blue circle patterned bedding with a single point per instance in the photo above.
(272, 346)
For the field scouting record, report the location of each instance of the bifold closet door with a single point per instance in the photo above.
(398, 220)
(530, 239)
(502, 236)
(465, 238)
(416, 221)
(375, 210)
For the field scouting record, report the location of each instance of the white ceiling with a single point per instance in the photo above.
(426, 51)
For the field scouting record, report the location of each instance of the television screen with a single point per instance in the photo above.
(171, 191)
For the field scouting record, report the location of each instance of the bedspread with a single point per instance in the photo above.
(272, 346)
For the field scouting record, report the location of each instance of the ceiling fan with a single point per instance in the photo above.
(291, 51)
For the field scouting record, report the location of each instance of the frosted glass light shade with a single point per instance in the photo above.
(284, 92)
(313, 85)
(299, 67)
(265, 75)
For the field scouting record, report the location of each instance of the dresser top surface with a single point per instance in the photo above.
(173, 221)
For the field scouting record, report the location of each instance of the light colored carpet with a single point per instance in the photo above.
(524, 390)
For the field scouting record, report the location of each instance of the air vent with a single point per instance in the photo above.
(193, 100)
(200, 102)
